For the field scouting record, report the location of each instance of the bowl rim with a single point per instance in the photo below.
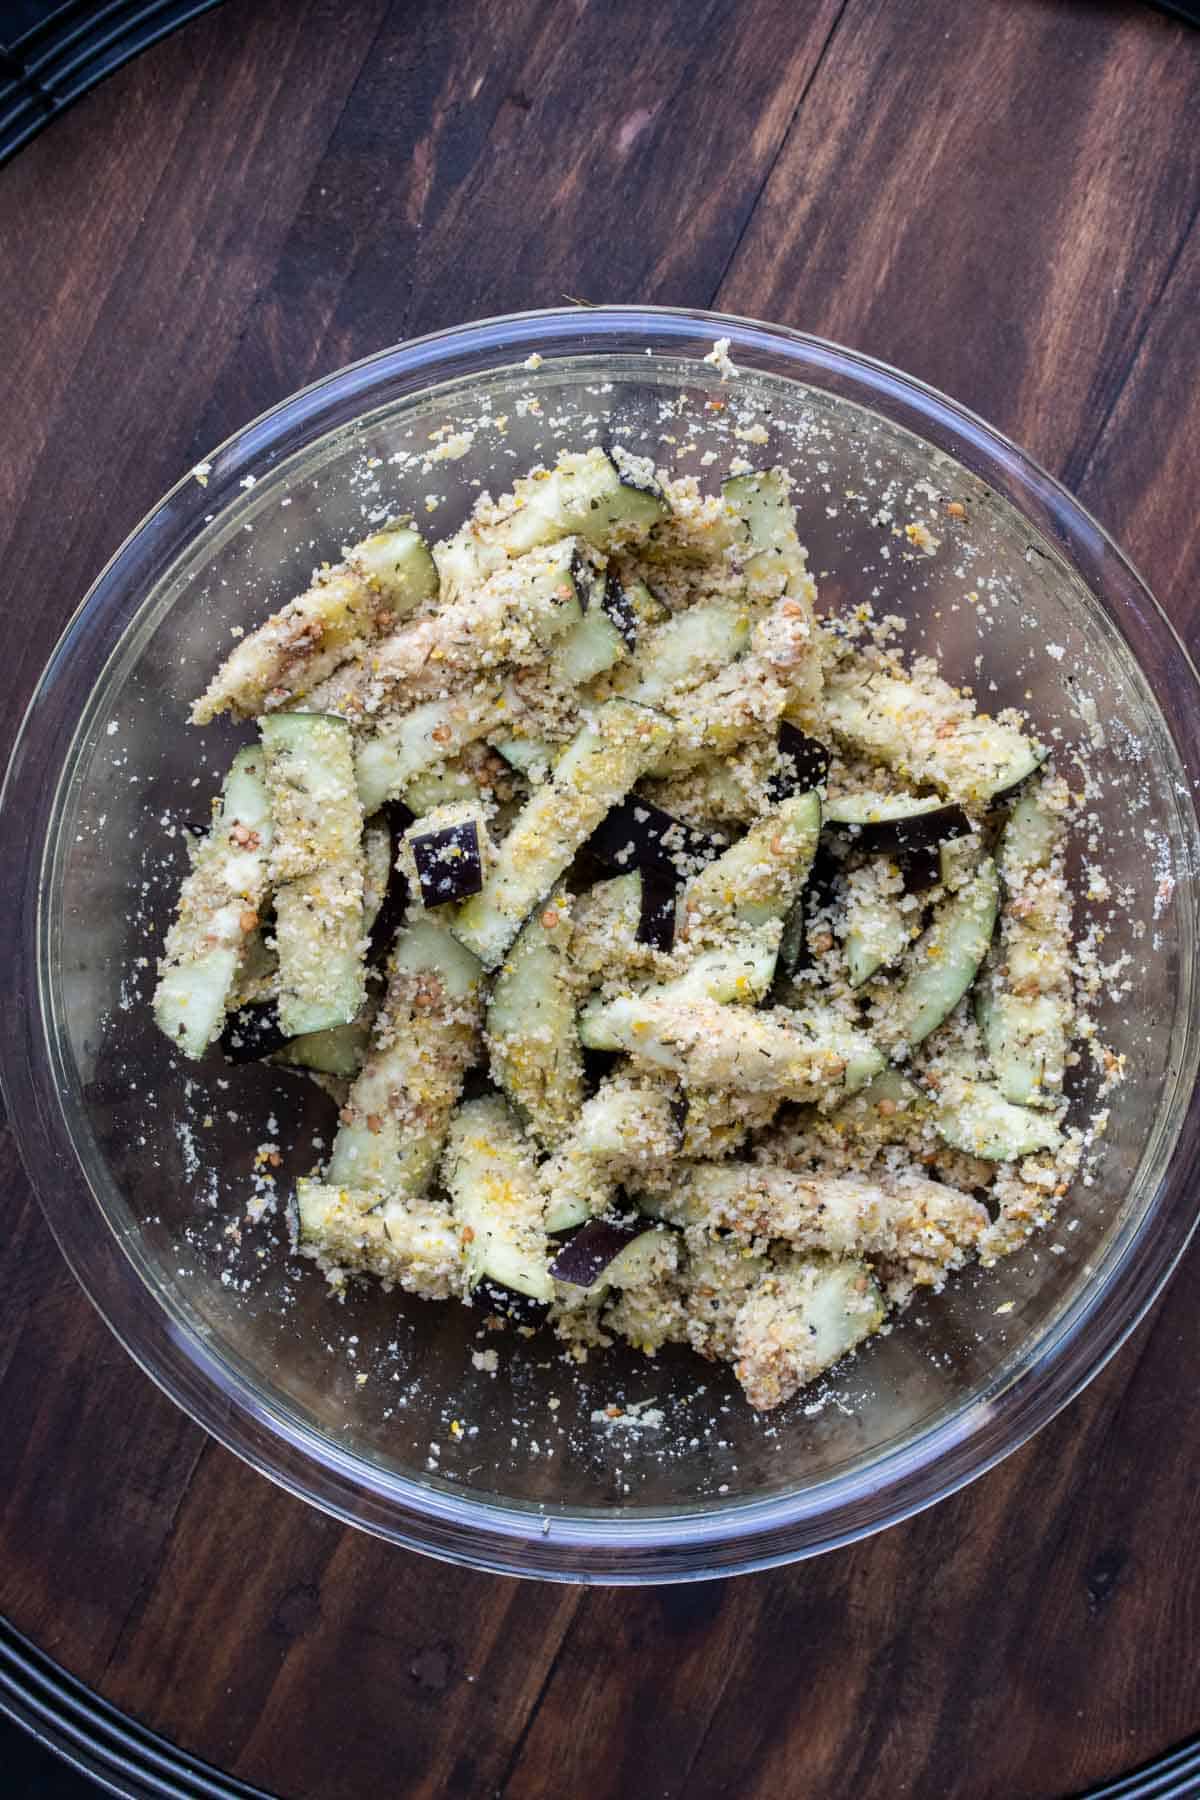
(516, 1539)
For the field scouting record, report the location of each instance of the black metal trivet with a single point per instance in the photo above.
(125, 1759)
(118, 1755)
(52, 53)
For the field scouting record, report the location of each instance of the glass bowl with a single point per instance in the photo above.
(383, 1410)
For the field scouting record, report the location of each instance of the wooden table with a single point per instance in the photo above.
(1002, 198)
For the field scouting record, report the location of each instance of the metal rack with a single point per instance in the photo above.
(51, 54)
(121, 1756)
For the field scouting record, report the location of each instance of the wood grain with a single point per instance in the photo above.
(1140, 473)
(1003, 199)
(985, 198)
(473, 132)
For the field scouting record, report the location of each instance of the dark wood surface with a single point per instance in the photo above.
(1002, 198)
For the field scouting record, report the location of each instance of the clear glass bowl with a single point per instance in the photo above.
(375, 1410)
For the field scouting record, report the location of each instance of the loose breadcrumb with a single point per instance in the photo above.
(721, 360)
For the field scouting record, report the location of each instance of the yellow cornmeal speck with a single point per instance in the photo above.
(456, 1430)
(921, 538)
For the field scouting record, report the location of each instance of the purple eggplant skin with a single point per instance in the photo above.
(794, 952)
(920, 866)
(656, 919)
(619, 607)
(793, 945)
(389, 919)
(588, 1251)
(476, 1083)
(521, 1310)
(803, 763)
(449, 863)
(899, 837)
(399, 817)
(648, 485)
(597, 1064)
(390, 916)
(631, 836)
(252, 1033)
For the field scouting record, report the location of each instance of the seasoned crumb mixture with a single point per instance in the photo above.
(679, 956)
